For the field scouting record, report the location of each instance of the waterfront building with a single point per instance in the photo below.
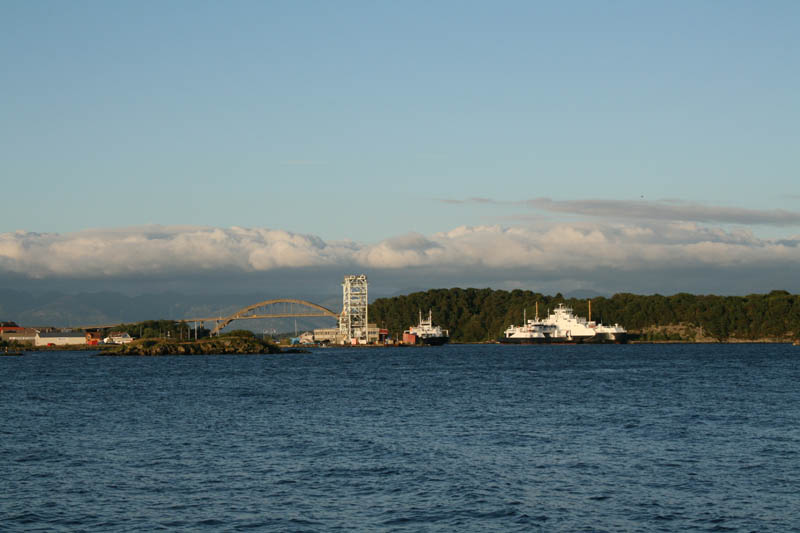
(335, 336)
(59, 338)
(19, 334)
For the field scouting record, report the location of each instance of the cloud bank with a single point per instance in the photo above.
(583, 255)
(645, 210)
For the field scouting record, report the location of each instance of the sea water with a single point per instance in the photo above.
(452, 438)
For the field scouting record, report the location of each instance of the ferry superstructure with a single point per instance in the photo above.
(426, 333)
(563, 326)
(530, 332)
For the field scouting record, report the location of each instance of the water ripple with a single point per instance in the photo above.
(472, 438)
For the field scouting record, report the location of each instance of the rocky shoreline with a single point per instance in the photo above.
(214, 346)
(250, 345)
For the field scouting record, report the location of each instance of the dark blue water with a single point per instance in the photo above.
(478, 438)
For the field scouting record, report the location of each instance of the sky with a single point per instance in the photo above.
(608, 146)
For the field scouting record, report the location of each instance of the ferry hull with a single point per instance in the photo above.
(619, 338)
(504, 340)
(434, 341)
(548, 340)
(614, 338)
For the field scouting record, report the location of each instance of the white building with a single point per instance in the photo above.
(330, 335)
(59, 338)
(307, 338)
(334, 336)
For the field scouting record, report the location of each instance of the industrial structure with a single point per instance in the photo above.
(353, 319)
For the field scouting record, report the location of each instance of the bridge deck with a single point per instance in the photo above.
(242, 314)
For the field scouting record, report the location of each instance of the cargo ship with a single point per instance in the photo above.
(426, 333)
(562, 326)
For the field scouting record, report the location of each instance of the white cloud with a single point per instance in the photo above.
(178, 250)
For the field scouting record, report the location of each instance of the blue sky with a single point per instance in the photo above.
(370, 121)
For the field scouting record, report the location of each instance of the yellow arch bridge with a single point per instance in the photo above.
(276, 308)
(288, 308)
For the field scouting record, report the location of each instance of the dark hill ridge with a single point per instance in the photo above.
(32, 308)
(474, 315)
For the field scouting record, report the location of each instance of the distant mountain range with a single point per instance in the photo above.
(89, 308)
(53, 308)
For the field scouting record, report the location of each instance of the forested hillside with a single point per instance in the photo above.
(474, 315)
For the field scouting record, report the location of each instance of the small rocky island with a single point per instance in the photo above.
(227, 344)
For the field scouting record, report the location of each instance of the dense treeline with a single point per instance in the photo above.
(474, 315)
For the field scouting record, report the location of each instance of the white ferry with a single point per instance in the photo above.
(563, 326)
(426, 333)
(530, 332)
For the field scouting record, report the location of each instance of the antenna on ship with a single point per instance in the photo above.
(590, 310)
(537, 310)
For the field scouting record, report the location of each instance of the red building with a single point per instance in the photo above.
(93, 338)
(10, 327)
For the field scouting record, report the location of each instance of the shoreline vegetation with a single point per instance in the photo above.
(475, 315)
(235, 343)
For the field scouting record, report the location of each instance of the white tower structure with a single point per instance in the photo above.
(353, 320)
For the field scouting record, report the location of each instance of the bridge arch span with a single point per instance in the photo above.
(248, 313)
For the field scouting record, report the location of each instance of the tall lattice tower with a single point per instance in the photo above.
(353, 320)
